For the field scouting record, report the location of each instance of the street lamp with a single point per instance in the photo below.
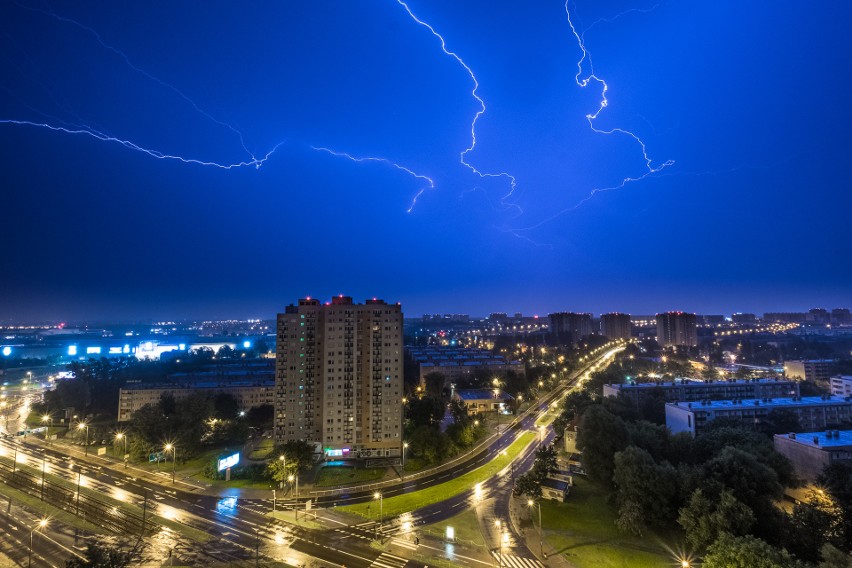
(530, 503)
(378, 495)
(46, 420)
(173, 449)
(41, 524)
(81, 426)
(499, 526)
(120, 436)
(404, 446)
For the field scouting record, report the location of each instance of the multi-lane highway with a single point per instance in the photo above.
(231, 529)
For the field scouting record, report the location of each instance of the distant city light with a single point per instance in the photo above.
(7, 351)
(72, 350)
(246, 344)
(92, 351)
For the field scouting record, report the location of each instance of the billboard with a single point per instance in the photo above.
(228, 462)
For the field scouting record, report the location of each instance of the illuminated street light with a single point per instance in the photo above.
(46, 420)
(378, 495)
(404, 447)
(123, 436)
(530, 503)
(41, 524)
(173, 449)
(81, 426)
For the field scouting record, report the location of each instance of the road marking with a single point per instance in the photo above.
(388, 560)
(513, 561)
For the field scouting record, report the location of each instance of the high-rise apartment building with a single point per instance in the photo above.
(616, 326)
(677, 329)
(338, 377)
(574, 325)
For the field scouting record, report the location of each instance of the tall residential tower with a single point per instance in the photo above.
(338, 377)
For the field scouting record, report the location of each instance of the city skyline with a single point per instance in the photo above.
(171, 162)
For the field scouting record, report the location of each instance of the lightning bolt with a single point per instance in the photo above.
(479, 113)
(256, 162)
(583, 81)
(429, 181)
(99, 135)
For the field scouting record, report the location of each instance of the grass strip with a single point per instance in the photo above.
(409, 502)
(583, 530)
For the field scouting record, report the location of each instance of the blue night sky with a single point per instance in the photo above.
(750, 100)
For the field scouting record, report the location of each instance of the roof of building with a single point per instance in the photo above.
(198, 385)
(555, 484)
(823, 440)
(481, 394)
(764, 402)
(698, 383)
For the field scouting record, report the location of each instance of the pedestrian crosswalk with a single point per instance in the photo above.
(388, 560)
(512, 561)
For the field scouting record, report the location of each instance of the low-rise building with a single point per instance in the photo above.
(556, 489)
(691, 390)
(248, 393)
(811, 452)
(841, 385)
(457, 364)
(813, 412)
(814, 370)
(483, 400)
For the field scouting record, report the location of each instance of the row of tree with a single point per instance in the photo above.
(721, 488)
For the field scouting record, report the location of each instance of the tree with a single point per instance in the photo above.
(226, 352)
(599, 436)
(225, 406)
(434, 383)
(425, 411)
(815, 522)
(545, 461)
(717, 438)
(751, 482)
(704, 520)
(746, 552)
(98, 556)
(458, 410)
(645, 491)
(297, 452)
(260, 416)
(837, 480)
(528, 484)
(833, 557)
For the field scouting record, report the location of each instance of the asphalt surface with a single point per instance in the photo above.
(239, 530)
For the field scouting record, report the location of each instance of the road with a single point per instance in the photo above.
(239, 529)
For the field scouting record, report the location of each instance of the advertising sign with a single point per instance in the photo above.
(230, 461)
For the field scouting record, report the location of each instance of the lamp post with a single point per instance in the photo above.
(530, 503)
(273, 500)
(499, 526)
(404, 447)
(378, 495)
(81, 426)
(173, 449)
(283, 459)
(46, 420)
(123, 436)
(291, 478)
(41, 524)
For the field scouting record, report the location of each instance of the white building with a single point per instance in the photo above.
(339, 377)
(841, 385)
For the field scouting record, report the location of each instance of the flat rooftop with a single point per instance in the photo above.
(757, 402)
(843, 438)
(198, 385)
(698, 383)
(481, 394)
